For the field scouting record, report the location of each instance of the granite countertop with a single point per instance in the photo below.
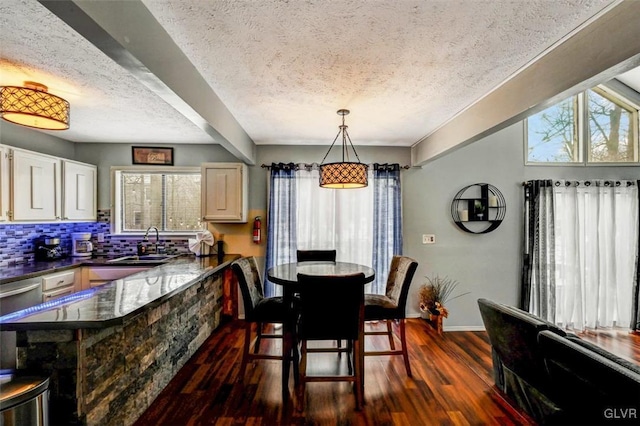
(115, 302)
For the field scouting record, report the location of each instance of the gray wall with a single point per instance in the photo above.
(34, 140)
(487, 265)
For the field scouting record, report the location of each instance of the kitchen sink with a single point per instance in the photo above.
(147, 258)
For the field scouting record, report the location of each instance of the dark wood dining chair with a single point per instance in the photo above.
(331, 308)
(315, 255)
(390, 307)
(258, 310)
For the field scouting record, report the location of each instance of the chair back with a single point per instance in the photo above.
(331, 307)
(401, 273)
(316, 255)
(246, 271)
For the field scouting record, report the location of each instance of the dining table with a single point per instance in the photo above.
(286, 275)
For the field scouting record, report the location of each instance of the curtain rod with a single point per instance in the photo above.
(268, 166)
(586, 182)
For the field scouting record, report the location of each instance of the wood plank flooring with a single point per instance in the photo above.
(452, 384)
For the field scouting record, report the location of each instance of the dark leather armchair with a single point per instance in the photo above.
(344, 321)
(258, 309)
(316, 255)
(390, 306)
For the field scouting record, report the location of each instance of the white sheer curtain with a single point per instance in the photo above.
(334, 219)
(596, 243)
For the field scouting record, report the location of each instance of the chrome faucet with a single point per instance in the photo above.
(146, 238)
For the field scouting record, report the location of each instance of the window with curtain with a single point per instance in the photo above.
(363, 225)
(581, 253)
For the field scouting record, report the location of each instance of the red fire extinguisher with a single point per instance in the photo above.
(257, 232)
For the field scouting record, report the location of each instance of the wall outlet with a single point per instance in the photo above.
(101, 237)
(428, 239)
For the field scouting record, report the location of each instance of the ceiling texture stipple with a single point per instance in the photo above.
(283, 68)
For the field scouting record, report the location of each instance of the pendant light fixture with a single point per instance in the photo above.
(33, 106)
(345, 174)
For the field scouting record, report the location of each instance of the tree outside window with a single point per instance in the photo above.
(594, 125)
(168, 200)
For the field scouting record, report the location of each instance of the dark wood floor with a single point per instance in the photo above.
(452, 385)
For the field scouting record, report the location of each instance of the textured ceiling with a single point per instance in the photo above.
(283, 68)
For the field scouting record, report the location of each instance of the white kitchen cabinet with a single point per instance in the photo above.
(60, 284)
(79, 191)
(224, 192)
(93, 276)
(35, 186)
(4, 184)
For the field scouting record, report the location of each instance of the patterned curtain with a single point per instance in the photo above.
(281, 216)
(387, 221)
(538, 276)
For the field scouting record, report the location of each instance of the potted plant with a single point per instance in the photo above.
(434, 293)
(479, 208)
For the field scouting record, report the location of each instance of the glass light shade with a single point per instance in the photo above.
(34, 107)
(344, 175)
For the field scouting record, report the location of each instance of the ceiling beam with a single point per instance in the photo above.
(606, 47)
(129, 34)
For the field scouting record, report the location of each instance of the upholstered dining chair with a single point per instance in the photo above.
(258, 310)
(316, 255)
(345, 322)
(390, 307)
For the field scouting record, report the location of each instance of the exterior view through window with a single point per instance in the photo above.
(167, 200)
(595, 126)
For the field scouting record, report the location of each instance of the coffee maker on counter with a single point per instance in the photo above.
(81, 245)
(48, 248)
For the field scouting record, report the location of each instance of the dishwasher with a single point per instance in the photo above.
(15, 296)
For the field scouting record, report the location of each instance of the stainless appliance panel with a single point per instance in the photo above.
(15, 296)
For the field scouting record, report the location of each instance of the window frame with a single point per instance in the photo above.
(116, 198)
(582, 117)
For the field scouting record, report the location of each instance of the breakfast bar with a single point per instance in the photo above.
(111, 349)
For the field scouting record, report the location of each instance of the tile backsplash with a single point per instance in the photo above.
(17, 240)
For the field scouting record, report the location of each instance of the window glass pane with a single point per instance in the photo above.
(183, 203)
(552, 135)
(610, 130)
(170, 202)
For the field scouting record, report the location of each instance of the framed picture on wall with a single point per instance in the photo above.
(152, 155)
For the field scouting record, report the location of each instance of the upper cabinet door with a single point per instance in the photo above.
(35, 186)
(4, 184)
(224, 192)
(79, 191)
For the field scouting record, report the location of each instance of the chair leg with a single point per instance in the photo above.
(350, 356)
(245, 350)
(259, 336)
(390, 334)
(358, 384)
(405, 352)
(300, 389)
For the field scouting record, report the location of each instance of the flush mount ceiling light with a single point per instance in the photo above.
(33, 106)
(345, 174)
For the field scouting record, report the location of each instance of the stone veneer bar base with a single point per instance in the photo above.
(110, 376)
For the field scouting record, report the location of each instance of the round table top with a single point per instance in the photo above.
(288, 272)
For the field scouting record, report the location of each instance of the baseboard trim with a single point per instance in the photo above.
(456, 327)
(463, 328)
